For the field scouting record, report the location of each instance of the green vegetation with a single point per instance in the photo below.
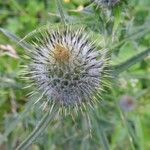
(121, 121)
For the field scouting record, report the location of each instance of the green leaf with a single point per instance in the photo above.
(16, 39)
(130, 62)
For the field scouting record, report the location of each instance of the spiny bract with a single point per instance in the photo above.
(66, 66)
(106, 3)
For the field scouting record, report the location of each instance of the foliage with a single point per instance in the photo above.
(123, 30)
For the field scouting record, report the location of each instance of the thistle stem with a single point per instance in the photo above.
(61, 13)
(125, 123)
(38, 129)
(104, 140)
(100, 132)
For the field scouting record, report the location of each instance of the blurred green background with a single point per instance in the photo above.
(124, 113)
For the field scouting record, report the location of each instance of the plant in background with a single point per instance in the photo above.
(105, 3)
(127, 103)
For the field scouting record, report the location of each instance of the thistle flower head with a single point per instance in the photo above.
(127, 103)
(66, 66)
(106, 3)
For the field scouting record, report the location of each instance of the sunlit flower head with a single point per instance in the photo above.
(66, 66)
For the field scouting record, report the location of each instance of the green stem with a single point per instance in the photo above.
(38, 130)
(125, 122)
(100, 132)
(45, 4)
(130, 62)
(103, 139)
(59, 5)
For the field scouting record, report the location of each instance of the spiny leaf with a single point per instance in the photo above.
(130, 62)
(16, 39)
